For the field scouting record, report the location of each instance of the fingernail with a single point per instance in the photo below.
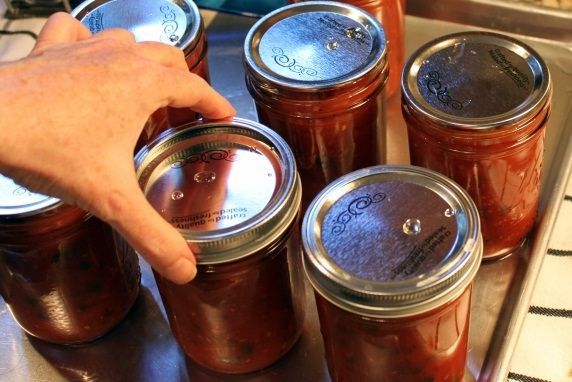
(182, 271)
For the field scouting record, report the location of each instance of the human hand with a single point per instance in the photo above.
(70, 116)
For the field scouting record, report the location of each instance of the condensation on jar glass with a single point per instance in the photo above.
(65, 275)
(232, 190)
(391, 15)
(391, 252)
(317, 72)
(476, 106)
(176, 23)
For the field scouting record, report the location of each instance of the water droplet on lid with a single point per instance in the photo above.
(450, 212)
(457, 53)
(177, 195)
(412, 226)
(332, 45)
(204, 177)
(354, 33)
(177, 164)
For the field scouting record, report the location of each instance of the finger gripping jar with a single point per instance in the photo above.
(391, 252)
(317, 74)
(476, 105)
(66, 276)
(232, 190)
(175, 23)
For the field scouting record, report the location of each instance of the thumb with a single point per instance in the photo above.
(150, 235)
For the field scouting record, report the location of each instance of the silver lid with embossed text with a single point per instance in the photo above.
(231, 188)
(174, 22)
(475, 80)
(17, 202)
(391, 241)
(314, 45)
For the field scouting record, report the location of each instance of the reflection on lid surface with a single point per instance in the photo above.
(475, 80)
(230, 187)
(16, 200)
(171, 22)
(389, 231)
(215, 184)
(315, 46)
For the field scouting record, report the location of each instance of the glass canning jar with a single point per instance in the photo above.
(232, 190)
(317, 73)
(476, 105)
(391, 252)
(177, 23)
(65, 276)
(391, 15)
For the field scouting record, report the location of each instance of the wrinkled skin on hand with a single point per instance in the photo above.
(71, 113)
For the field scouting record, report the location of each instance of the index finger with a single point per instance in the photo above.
(60, 28)
(189, 90)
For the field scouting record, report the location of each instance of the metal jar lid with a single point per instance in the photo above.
(391, 241)
(174, 22)
(314, 45)
(231, 188)
(16, 202)
(475, 80)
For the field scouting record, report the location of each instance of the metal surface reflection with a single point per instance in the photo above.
(142, 348)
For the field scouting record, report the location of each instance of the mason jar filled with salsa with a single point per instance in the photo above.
(65, 276)
(391, 252)
(476, 106)
(177, 23)
(391, 14)
(232, 190)
(317, 73)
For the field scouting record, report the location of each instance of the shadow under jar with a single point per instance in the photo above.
(317, 73)
(232, 190)
(174, 22)
(66, 276)
(391, 252)
(476, 105)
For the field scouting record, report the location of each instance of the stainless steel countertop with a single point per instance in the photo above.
(142, 349)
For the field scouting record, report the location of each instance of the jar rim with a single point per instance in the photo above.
(145, 19)
(392, 298)
(234, 241)
(530, 95)
(17, 202)
(261, 74)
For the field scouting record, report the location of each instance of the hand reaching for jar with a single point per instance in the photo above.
(70, 116)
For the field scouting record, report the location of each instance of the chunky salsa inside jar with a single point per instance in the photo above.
(503, 179)
(241, 316)
(428, 347)
(71, 285)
